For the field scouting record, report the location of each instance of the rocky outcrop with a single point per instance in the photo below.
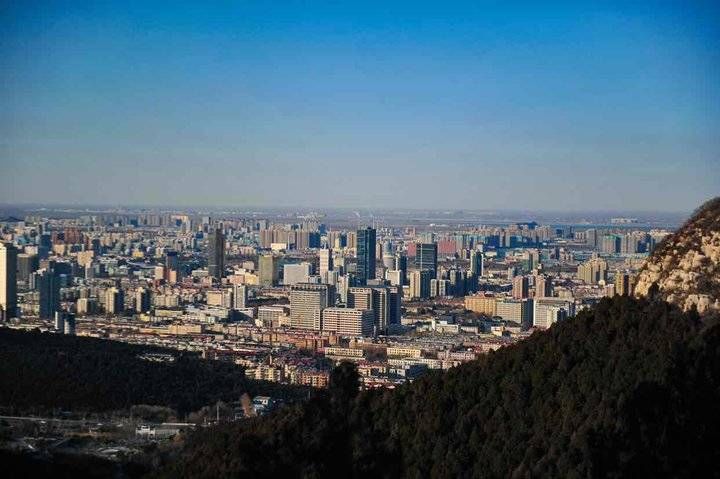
(685, 268)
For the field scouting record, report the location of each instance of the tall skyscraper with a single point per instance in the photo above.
(477, 263)
(326, 262)
(365, 251)
(216, 254)
(47, 283)
(426, 258)
(8, 281)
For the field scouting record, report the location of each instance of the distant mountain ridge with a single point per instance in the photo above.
(685, 268)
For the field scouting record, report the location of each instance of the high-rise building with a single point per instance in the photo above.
(365, 252)
(172, 267)
(477, 263)
(623, 286)
(307, 302)
(326, 262)
(383, 301)
(543, 286)
(348, 321)
(8, 281)
(593, 271)
(426, 258)
(47, 283)
(521, 287)
(216, 254)
(114, 301)
(401, 265)
(143, 301)
(240, 296)
(268, 270)
(611, 244)
(27, 264)
(420, 284)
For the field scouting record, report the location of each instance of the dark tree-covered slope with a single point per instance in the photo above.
(628, 389)
(40, 371)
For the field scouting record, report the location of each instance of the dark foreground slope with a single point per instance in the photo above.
(630, 388)
(44, 371)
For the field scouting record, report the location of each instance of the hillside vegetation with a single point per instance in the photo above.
(628, 389)
(45, 371)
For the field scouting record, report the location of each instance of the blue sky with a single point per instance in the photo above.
(563, 106)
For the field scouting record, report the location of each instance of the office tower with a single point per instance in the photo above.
(543, 286)
(477, 263)
(395, 294)
(593, 271)
(114, 301)
(44, 245)
(521, 287)
(27, 264)
(622, 284)
(420, 284)
(142, 300)
(307, 302)
(348, 321)
(365, 252)
(296, 273)
(216, 254)
(326, 262)
(268, 270)
(401, 265)
(171, 272)
(46, 282)
(240, 296)
(8, 281)
(426, 258)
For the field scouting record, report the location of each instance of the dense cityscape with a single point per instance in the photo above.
(444, 240)
(288, 297)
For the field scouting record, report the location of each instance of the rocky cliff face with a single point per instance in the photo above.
(686, 265)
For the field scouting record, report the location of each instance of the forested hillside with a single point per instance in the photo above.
(628, 389)
(43, 371)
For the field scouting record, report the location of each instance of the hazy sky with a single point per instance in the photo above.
(448, 105)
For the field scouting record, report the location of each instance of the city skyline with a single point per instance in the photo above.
(471, 106)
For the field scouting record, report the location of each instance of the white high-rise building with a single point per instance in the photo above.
(8, 281)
